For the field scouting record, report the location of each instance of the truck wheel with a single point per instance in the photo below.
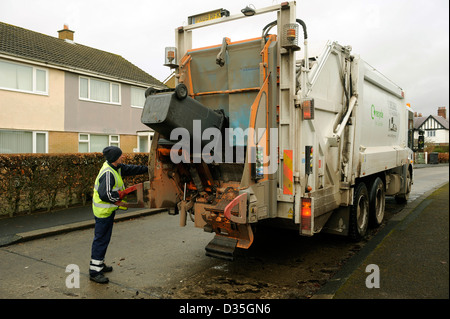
(181, 91)
(149, 91)
(359, 213)
(403, 198)
(376, 203)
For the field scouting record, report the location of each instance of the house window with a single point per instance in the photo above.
(137, 97)
(99, 91)
(89, 143)
(14, 142)
(23, 78)
(431, 133)
(144, 141)
(83, 143)
(114, 140)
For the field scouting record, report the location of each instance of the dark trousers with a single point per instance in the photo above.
(102, 236)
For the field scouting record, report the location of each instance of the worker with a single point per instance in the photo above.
(108, 193)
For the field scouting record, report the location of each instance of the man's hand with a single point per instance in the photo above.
(122, 194)
(119, 203)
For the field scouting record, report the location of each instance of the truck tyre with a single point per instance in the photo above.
(376, 203)
(181, 91)
(149, 91)
(403, 198)
(359, 213)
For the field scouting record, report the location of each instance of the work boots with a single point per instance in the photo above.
(100, 278)
(107, 268)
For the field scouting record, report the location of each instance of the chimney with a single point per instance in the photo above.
(442, 112)
(66, 34)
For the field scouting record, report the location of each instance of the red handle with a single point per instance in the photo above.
(129, 190)
(234, 202)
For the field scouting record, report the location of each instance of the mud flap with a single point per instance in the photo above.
(234, 232)
(221, 247)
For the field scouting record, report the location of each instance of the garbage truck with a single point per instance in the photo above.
(256, 131)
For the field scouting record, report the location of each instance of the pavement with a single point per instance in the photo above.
(28, 227)
(407, 259)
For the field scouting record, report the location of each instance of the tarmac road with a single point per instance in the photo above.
(147, 254)
(154, 258)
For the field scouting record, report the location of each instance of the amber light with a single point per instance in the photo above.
(290, 34)
(306, 214)
(306, 207)
(171, 55)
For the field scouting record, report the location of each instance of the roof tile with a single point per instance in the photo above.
(20, 42)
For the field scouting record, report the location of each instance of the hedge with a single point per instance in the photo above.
(35, 182)
(443, 158)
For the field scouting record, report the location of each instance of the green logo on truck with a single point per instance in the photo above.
(375, 114)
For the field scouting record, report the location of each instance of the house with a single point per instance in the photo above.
(59, 96)
(170, 81)
(435, 127)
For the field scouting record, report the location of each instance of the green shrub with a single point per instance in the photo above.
(32, 182)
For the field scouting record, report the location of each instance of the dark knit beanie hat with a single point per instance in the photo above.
(112, 153)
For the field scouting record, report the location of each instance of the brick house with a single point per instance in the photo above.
(58, 96)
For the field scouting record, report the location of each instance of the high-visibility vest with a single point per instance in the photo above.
(100, 208)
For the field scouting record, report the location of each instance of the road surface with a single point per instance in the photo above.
(154, 258)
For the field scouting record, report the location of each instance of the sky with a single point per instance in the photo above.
(406, 40)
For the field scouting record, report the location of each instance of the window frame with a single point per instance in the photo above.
(114, 143)
(131, 95)
(149, 136)
(88, 141)
(89, 99)
(33, 80)
(33, 140)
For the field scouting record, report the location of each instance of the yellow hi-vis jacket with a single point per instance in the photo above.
(101, 208)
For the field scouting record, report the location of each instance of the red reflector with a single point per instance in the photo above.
(306, 214)
(307, 113)
(308, 109)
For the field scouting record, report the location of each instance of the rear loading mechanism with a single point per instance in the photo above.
(210, 191)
